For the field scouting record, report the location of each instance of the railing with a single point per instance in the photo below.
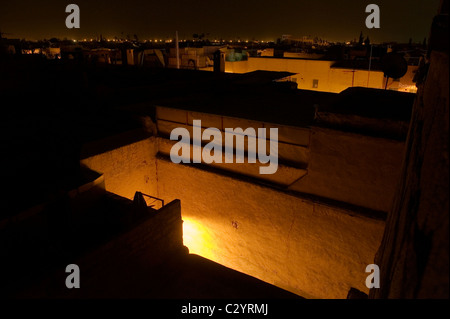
(139, 197)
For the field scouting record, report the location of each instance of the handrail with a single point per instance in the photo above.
(161, 200)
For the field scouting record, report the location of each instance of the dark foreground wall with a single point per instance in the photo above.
(121, 266)
(413, 257)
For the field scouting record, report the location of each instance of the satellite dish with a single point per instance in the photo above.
(394, 66)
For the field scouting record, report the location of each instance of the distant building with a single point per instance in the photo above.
(101, 55)
(327, 75)
(194, 58)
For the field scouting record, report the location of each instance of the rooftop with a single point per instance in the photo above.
(375, 65)
(255, 96)
(50, 109)
(382, 113)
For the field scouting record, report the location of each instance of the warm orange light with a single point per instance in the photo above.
(198, 239)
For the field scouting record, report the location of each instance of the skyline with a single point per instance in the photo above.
(251, 20)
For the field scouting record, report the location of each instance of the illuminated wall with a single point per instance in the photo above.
(314, 249)
(292, 142)
(328, 79)
(352, 168)
(127, 165)
(305, 70)
(347, 167)
(308, 248)
(341, 79)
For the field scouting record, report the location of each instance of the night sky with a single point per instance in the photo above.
(231, 19)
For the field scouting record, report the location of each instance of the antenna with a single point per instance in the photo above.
(370, 64)
(178, 49)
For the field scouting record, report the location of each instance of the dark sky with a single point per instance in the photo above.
(229, 19)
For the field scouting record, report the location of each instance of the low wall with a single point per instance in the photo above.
(114, 268)
(352, 168)
(293, 153)
(145, 245)
(127, 164)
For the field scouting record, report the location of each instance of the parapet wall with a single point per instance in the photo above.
(352, 168)
(127, 164)
(149, 243)
(294, 241)
(342, 166)
(311, 249)
(292, 152)
(114, 267)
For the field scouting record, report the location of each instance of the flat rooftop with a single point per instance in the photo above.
(50, 109)
(372, 103)
(375, 112)
(255, 96)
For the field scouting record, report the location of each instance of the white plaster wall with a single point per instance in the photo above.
(307, 248)
(330, 79)
(128, 169)
(352, 168)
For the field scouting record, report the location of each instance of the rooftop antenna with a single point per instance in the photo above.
(178, 49)
(370, 64)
